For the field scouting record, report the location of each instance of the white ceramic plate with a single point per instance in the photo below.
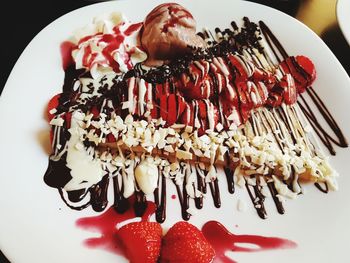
(343, 16)
(35, 225)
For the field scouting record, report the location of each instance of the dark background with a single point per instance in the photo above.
(21, 21)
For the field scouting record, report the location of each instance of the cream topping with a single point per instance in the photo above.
(105, 43)
(146, 174)
(85, 169)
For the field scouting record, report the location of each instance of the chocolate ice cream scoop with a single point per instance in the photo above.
(169, 31)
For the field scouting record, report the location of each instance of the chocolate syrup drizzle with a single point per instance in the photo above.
(257, 197)
(160, 201)
(327, 139)
(57, 174)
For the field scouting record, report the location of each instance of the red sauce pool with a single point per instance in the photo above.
(223, 241)
(107, 225)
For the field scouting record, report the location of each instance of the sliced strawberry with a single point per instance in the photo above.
(141, 241)
(275, 96)
(202, 116)
(301, 79)
(306, 64)
(186, 243)
(230, 112)
(53, 103)
(159, 90)
(254, 95)
(166, 88)
(264, 76)
(163, 107)
(302, 70)
(221, 82)
(262, 91)
(209, 115)
(201, 112)
(196, 83)
(171, 109)
(110, 138)
(95, 111)
(187, 116)
(289, 89)
(240, 70)
(260, 74)
(245, 114)
(230, 92)
(182, 105)
(155, 109)
(245, 100)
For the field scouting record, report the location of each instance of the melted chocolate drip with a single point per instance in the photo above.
(324, 136)
(57, 174)
(160, 202)
(257, 198)
(140, 204)
(274, 194)
(202, 187)
(230, 180)
(70, 76)
(81, 207)
(98, 194)
(323, 189)
(121, 204)
(215, 192)
(327, 139)
(183, 199)
(273, 42)
(77, 195)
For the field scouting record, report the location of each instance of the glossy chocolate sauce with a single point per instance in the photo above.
(274, 194)
(184, 200)
(327, 139)
(160, 198)
(257, 197)
(215, 193)
(58, 174)
(121, 204)
(230, 180)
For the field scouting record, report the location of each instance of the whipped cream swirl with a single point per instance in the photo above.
(109, 43)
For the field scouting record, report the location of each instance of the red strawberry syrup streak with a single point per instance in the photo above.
(107, 225)
(223, 241)
(217, 235)
(113, 43)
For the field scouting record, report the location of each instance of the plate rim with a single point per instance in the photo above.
(341, 5)
(18, 61)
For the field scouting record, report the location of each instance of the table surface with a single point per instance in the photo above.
(319, 15)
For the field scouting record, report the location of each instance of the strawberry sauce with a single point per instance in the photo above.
(66, 53)
(107, 225)
(223, 241)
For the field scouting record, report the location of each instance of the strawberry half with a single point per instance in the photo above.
(302, 69)
(186, 243)
(141, 241)
(306, 64)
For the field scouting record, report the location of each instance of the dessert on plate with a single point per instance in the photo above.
(157, 102)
